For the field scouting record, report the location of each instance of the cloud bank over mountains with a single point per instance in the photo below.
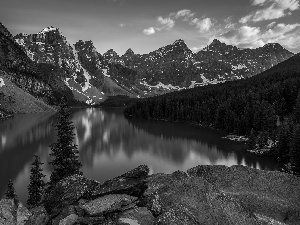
(248, 31)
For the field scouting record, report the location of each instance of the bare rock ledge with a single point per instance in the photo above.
(204, 195)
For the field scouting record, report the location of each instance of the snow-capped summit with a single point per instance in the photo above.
(47, 29)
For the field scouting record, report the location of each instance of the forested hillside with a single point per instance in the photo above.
(265, 107)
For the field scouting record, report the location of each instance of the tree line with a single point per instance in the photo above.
(265, 107)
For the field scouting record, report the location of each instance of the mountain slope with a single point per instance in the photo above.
(16, 100)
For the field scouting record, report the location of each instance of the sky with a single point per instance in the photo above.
(146, 25)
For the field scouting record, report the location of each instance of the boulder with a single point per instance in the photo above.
(180, 199)
(109, 203)
(138, 215)
(92, 220)
(38, 216)
(65, 213)
(8, 212)
(131, 183)
(269, 194)
(65, 193)
(23, 214)
(69, 220)
(13, 212)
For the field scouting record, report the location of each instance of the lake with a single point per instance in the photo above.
(110, 145)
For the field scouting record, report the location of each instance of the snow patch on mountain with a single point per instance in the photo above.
(87, 76)
(105, 73)
(161, 85)
(238, 67)
(47, 29)
(2, 82)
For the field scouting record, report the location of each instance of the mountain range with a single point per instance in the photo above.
(47, 66)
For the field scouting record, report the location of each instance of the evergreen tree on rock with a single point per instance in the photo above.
(11, 193)
(36, 185)
(65, 154)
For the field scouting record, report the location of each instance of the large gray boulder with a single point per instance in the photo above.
(65, 193)
(131, 183)
(13, 212)
(179, 199)
(109, 203)
(270, 195)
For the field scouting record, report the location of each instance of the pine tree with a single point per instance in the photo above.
(283, 145)
(65, 154)
(295, 151)
(11, 193)
(36, 185)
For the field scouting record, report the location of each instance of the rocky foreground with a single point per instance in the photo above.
(203, 195)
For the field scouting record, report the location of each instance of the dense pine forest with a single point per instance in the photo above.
(265, 107)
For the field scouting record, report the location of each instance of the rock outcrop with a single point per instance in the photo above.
(13, 212)
(203, 195)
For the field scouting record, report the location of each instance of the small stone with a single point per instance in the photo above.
(137, 216)
(69, 220)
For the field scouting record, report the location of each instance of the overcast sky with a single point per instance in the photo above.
(146, 25)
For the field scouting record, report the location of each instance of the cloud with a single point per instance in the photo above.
(149, 31)
(185, 13)
(288, 35)
(271, 9)
(203, 25)
(167, 22)
(271, 24)
(197, 49)
(258, 2)
(122, 25)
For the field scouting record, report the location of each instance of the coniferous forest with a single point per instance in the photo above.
(265, 107)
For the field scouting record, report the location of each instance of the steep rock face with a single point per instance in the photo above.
(28, 75)
(91, 61)
(81, 66)
(50, 47)
(12, 55)
(221, 62)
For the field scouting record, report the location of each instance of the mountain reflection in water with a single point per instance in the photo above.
(110, 145)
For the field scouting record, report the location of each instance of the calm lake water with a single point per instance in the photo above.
(110, 145)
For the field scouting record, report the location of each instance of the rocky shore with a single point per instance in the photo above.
(203, 195)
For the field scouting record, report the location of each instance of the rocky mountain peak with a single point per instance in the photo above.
(5, 32)
(216, 44)
(111, 53)
(180, 43)
(129, 52)
(273, 46)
